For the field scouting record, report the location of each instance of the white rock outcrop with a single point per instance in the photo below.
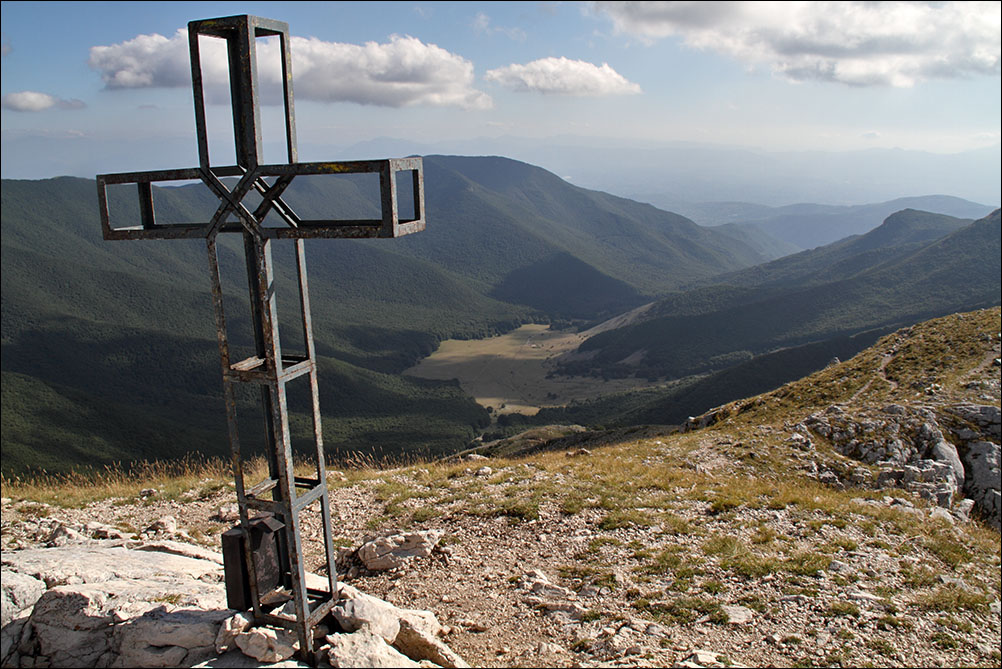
(163, 604)
(393, 549)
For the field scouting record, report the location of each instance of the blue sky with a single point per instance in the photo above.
(85, 92)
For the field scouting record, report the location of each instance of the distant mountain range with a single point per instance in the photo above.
(109, 352)
(806, 226)
(916, 265)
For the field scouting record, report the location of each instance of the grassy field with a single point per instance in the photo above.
(509, 373)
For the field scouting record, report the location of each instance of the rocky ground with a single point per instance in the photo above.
(809, 526)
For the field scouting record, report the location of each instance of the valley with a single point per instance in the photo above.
(513, 373)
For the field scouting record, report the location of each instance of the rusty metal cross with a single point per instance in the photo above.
(275, 573)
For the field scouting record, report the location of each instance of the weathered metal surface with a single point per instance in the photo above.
(277, 561)
(254, 180)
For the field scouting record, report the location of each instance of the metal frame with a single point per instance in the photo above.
(269, 368)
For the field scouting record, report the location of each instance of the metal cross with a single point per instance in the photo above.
(279, 498)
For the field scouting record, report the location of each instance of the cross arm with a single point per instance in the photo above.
(390, 224)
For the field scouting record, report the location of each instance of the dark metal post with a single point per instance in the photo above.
(282, 495)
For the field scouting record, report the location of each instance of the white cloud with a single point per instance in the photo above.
(151, 60)
(33, 101)
(563, 76)
(855, 43)
(482, 25)
(404, 71)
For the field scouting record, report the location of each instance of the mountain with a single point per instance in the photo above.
(109, 350)
(806, 226)
(770, 247)
(901, 234)
(497, 215)
(886, 278)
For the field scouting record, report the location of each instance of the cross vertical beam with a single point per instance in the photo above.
(275, 502)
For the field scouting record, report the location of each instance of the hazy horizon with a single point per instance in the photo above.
(91, 88)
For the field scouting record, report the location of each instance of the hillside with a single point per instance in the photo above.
(108, 348)
(498, 215)
(892, 276)
(757, 536)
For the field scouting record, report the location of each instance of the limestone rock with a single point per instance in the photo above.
(987, 417)
(228, 631)
(539, 584)
(944, 451)
(145, 640)
(737, 615)
(64, 535)
(110, 606)
(364, 648)
(355, 610)
(97, 530)
(550, 590)
(417, 644)
(962, 510)
(178, 548)
(167, 525)
(78, 625)
(393, 549)
(268, 645)
(703, 658)
(939, 513)
(228, 513)
(20, 591)
(983, 480)
(93, 563)
(12, 635)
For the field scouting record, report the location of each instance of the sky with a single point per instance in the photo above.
(94, 87)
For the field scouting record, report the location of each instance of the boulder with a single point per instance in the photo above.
(265, 644)
(417, 644)
(230, 628)
(983, 480)
(943, 451)
(127, 622)
(393, 549)
(987, 418)
(96, 530)
(107, 605)
(355, 610)
(364, 648)
(146, 640)
(64, 535)
(20, 591)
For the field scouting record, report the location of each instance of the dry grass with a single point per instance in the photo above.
(170, 479)
(509, 373)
